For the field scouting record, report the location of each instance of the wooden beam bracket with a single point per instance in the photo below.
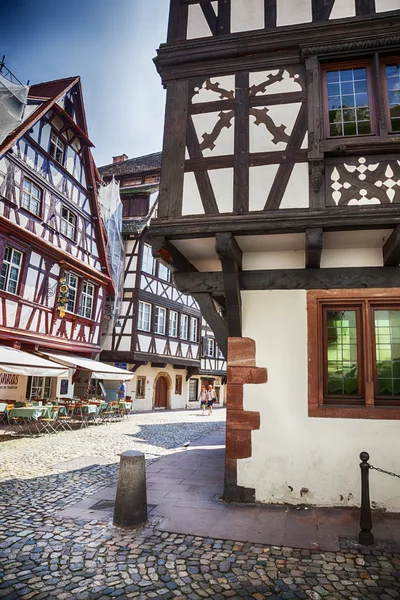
(313, 247)
(391, 249)
(231, 258)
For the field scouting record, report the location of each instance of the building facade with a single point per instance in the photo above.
(54, 269)
(159, 331)
(280, 192)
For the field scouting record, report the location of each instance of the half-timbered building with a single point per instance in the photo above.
(280, 190)
(158, 332)
(54, 270)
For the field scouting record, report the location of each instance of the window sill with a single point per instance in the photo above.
(355, 412)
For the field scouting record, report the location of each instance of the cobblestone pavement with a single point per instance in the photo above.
(43, 556)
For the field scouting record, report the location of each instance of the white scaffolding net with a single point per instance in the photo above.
(13, 100)
(111, 212)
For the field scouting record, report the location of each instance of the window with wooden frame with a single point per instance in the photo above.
(144, 316)
(173, 324)
(148, 262)
(73, 287)
(31, 197)
(160, 320)
(391, 83)
(56, 148)
(184, 327)
(193, 388)
(11, 270)
(354, 353)
(152, 179)
(348, 99)
(350, 93)
(178, 385)
(87, 300)
(68, 223)
(141, 386)
(194, 326)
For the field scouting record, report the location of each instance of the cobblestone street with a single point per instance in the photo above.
(44, 556)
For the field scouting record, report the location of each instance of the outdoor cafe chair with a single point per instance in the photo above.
(49, 423)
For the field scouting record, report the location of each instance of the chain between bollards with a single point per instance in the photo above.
(365, 537)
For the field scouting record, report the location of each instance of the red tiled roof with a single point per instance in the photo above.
(50, 89)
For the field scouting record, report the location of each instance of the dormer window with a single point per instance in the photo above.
(57, 148)
(68, 223)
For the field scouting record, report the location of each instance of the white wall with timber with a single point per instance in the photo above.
(292, 452)
(249, 15)
(174, 401)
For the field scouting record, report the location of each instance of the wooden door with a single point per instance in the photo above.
(161, 393)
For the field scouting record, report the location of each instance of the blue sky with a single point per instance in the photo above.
(110, 44)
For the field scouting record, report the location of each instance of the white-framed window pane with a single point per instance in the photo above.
(160, 318)
(40, 387)
(148, 260)
(193, 329)
(163, 272)
(173, 323)
(10, 270)
(31, 196)
(72, 282)
(87, 299)
(193, 384)
(68, 223)
(210, 347)
(57, 148)
(144, 316)
(184, 327)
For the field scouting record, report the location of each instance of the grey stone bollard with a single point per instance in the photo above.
(131, 501)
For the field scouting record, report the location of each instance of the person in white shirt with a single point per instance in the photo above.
(212, 398)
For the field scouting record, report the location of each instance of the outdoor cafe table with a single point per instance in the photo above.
(126, 405)
(29, 412)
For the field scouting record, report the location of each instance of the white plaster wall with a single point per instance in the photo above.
(290, 12)
(260, 181)
(197, 24)
(343, 8)
(352, 257)
(227, 83)
(291, 449)
(297, 190)
(174, 401)
(222, 184)
(191, 204)
(261, 140)
(290, 259)
(205, 123)
(288, 84)
(384, 5)
(247, 15)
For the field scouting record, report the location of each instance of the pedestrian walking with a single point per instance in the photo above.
(203, 398)
(122, 391)
(212, 398)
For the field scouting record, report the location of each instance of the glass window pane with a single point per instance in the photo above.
(341, 333)
(387, 352)
(348, 91)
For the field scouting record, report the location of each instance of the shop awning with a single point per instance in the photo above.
(17, 362)
(99, 370)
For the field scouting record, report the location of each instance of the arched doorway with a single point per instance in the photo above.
(161, 393)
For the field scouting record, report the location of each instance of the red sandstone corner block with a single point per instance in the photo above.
(234, 395)
(238, 444)
(241, 352)
(243, 419)
(244, 375)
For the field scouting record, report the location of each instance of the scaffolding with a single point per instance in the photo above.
(13, 100)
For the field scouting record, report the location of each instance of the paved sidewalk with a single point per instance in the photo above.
(184, 490)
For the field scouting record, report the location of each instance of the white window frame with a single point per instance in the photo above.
(29, 200)
(11, 270)
(210, 347)
(42, 387)
(56, 146)
(73, 285)
(184, 332)
(193, 393)
(87, 300)
(160, 319)
(144, 324)
(163, 272)
(148, 261)
(194, 328)
(68, 223)
(173, 324)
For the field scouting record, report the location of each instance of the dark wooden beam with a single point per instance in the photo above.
(169, 255)
(293, 279)
(391, 249)
(241, 154)
(227, 247)
(174, 147)
(365, 7)
(313, 247)
(231, 258)
(214, 319)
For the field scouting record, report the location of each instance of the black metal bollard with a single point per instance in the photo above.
(365, 537)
